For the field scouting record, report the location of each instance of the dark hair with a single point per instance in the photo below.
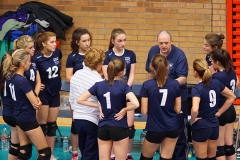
(115, 66)
(2, 77)
(201, 67)
(223, 57)
(114, 34)
(159, 64)
(93, 57)
(43, 37)
(76, 36)
(215, 40)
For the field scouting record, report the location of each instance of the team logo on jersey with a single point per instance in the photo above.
(39, 57)
(127, 60)
(33, 65)
(110, 54)
(170, 65)
(55, 60)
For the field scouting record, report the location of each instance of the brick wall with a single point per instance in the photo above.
(187, 20)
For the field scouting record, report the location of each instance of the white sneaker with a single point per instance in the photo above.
(53, 157)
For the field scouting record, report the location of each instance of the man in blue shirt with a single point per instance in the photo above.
(178, 69)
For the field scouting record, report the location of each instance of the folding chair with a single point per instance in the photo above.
(65, 88)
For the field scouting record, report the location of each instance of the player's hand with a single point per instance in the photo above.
(195, 120)
(120, 114)
(101, 116)
(37, 105)
(42, 87)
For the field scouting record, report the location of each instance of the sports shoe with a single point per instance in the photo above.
(75, 156)
(53, 157)
(129, 157)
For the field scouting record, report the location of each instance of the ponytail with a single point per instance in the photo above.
(115, 66)
(159, 65)
(201, 67)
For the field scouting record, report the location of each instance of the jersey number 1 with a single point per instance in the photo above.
(108, 101)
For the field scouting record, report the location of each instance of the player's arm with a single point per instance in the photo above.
(182, 80)
(83, 99)
(69, 74)
(104, 69)
(177, 105)
(194, 110)
(144, 105)
(38, 83)
(131, 74)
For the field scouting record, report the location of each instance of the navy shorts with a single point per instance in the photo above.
(10, 120)
(106, 133)
(48, 99)
(229, 116)
(158, 137)
(27, 126)
(203, 134)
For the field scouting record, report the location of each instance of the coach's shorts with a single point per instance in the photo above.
(228, 116)
(27, 126)
(203, 134)
(112, 133)
(48, 99)
(158, 137)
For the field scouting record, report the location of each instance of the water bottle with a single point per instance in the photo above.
(4, 139)
(142, 136)
(65, 144)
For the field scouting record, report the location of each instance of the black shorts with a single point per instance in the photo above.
(27, 126)
(229, 116)
(203, 134)
(158, 137)
(48, 99)
(9, 120)
(106, 133)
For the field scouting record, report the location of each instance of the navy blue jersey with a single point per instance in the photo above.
(177, 62)
(161, 114)
(208, 106)
(23, 110)
(112, 100)
(229, 81)
(208, 59)
(7, 101)
(128, 56)
(49, 70)
(75, 61)
(31, 74)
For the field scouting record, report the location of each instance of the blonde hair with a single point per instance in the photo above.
(12, 63)
(93, 57)
(22, 42)
(159, 64)
(115, 66)
(201, 67)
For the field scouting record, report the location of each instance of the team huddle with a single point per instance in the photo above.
(103, 103)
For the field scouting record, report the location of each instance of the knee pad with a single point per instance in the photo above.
(131, 132)
(213, 158)
(46, 151)
(44, 128)
(165, 158)
(13, 151)
(220, 151)
(52, 127)
(145, 158)
(73, 129)
(28, 152)
(229, 150)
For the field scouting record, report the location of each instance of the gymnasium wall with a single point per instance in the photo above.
(187, 20)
